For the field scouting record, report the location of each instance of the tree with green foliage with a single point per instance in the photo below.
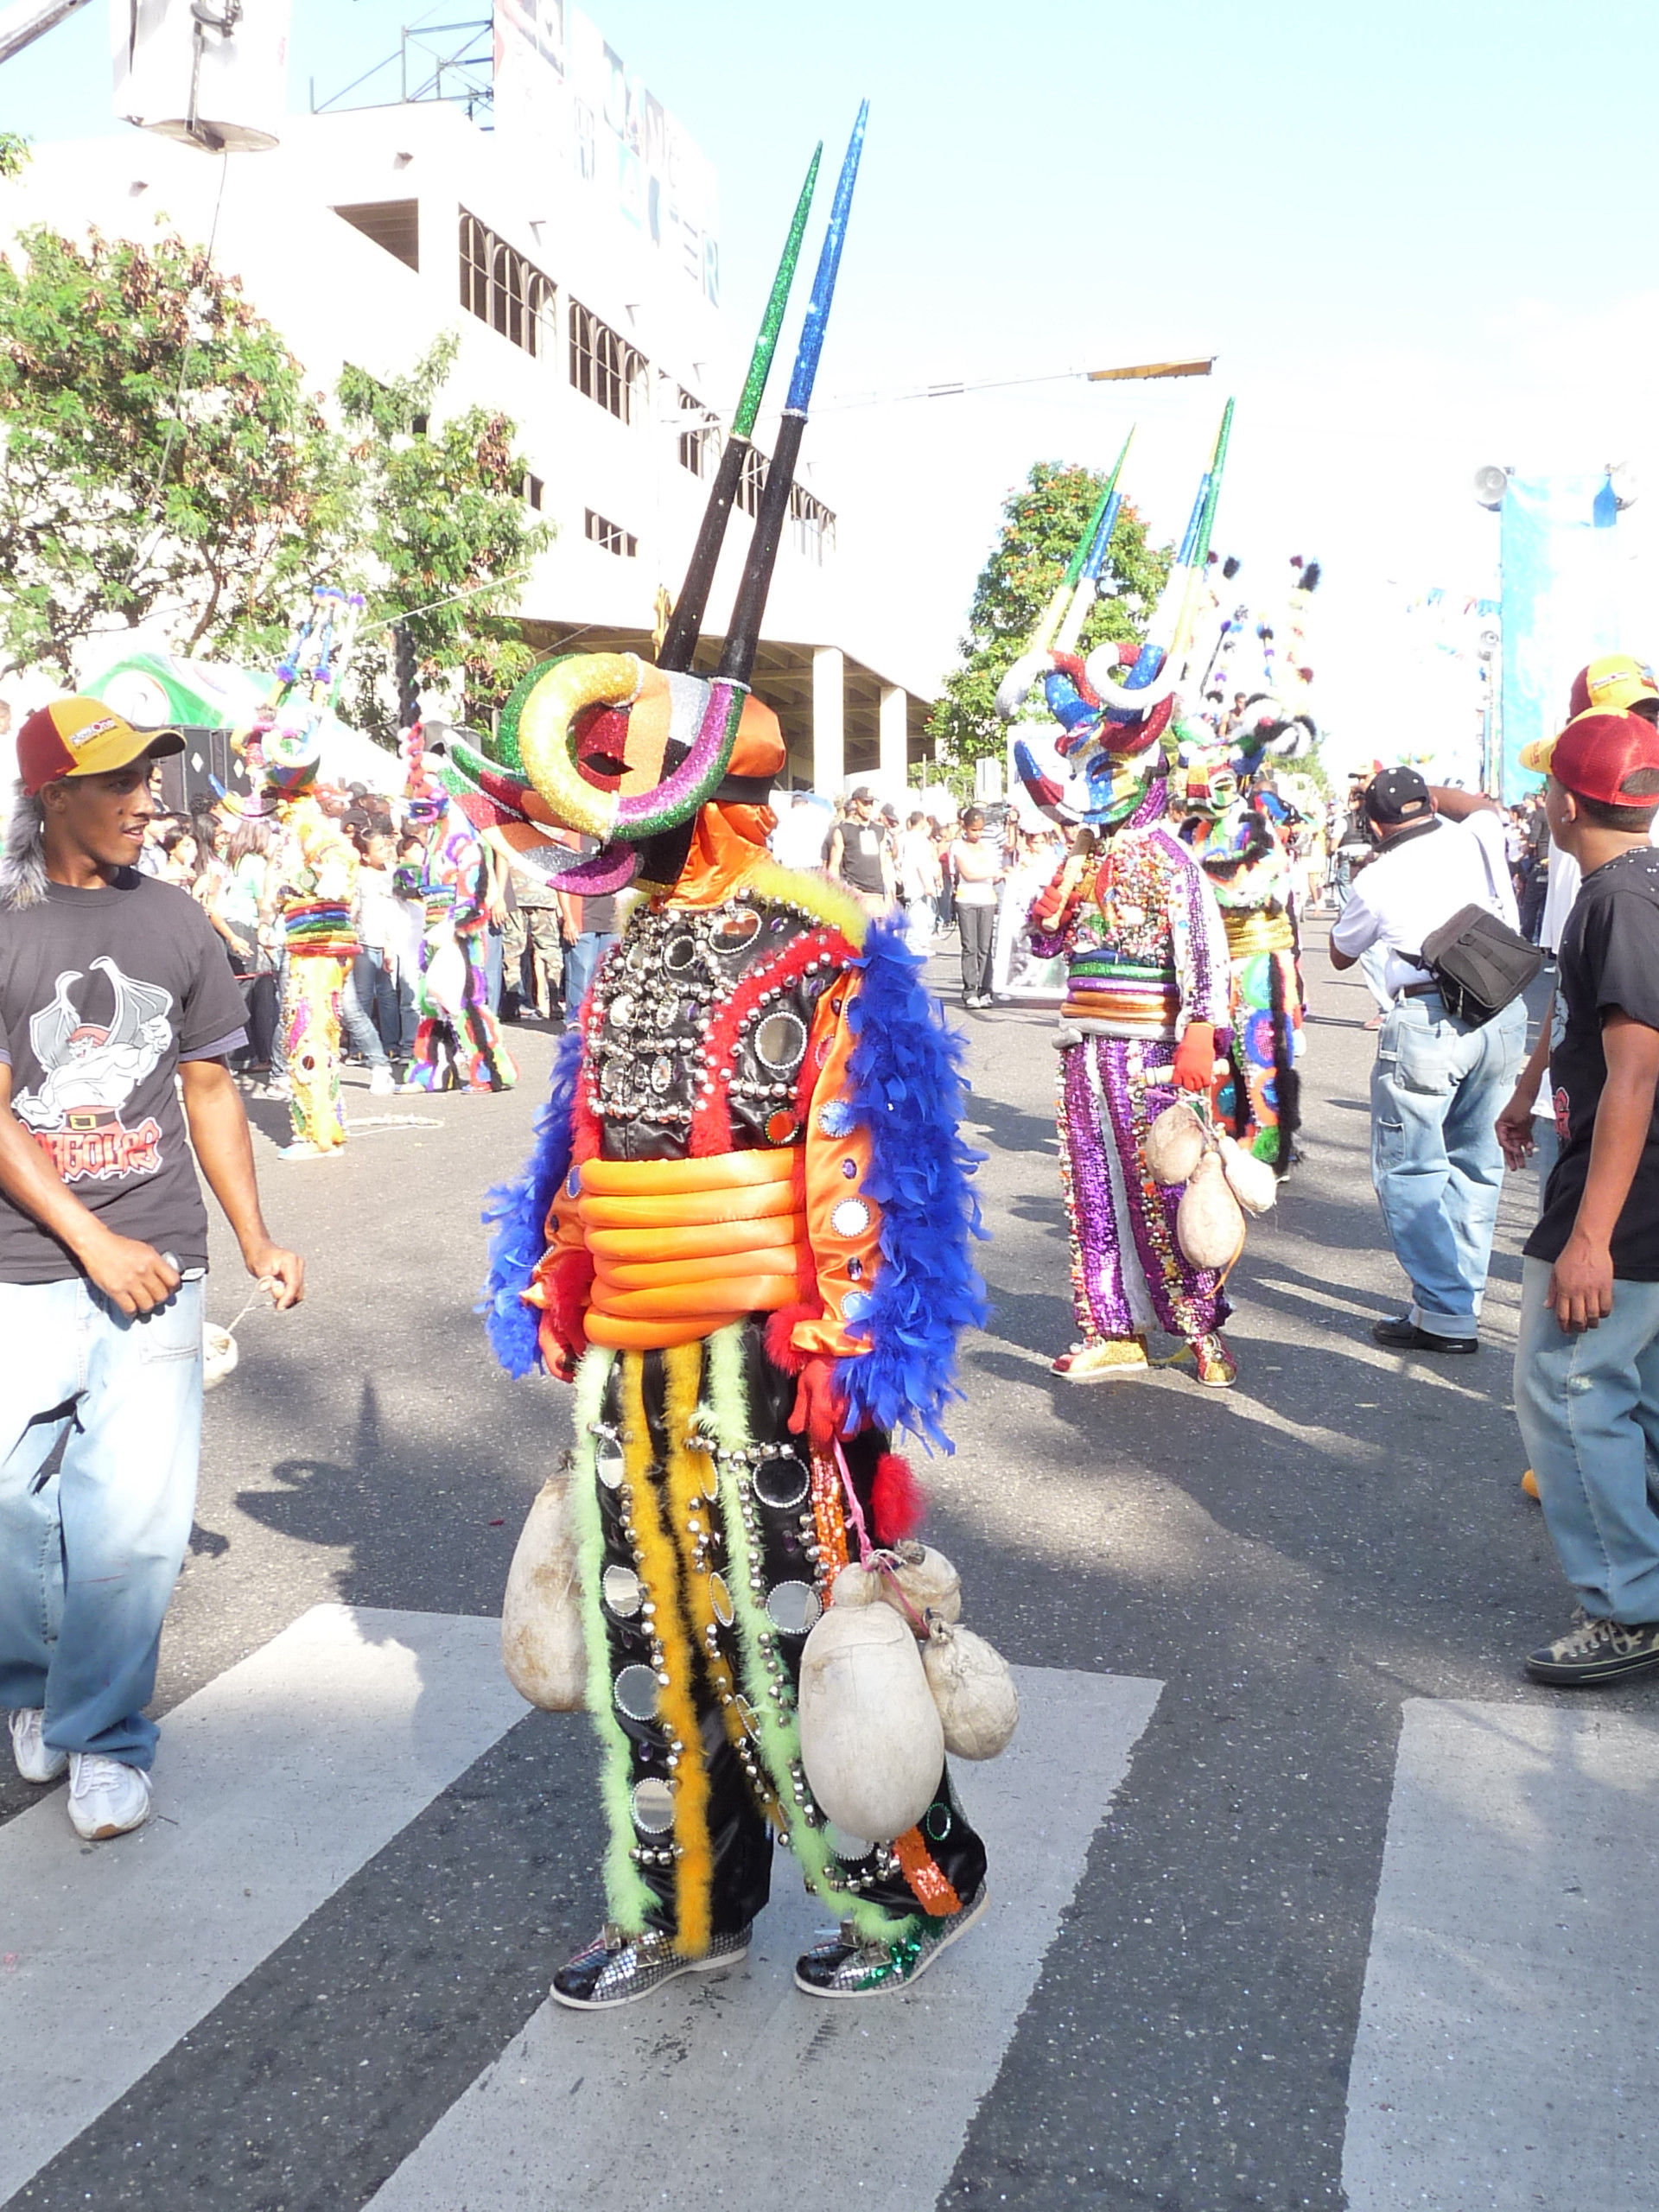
(1042, 523)
(448, 536)
(164, 463)
(162, 454)
(13, 154)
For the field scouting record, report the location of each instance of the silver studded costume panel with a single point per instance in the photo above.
(702, 1017)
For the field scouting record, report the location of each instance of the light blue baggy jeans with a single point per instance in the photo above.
(1588, 1406)
(89, 1555)
(1436, 1092)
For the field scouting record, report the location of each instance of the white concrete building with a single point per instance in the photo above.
(368, 232)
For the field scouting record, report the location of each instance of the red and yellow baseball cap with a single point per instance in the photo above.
(1595, 755)
(81, 737)
(1618, 683)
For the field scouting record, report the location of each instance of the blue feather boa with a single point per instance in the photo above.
(905, 1073)
(517, 1212)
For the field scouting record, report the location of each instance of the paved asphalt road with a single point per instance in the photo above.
(1292, 1562)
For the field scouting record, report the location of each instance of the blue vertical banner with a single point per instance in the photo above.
(1563, 593)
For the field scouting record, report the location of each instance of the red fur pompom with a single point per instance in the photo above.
(787, 1358)
(898, 1503)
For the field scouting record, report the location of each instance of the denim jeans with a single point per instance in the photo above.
(377, 994)
(580, 959)
(1436, 1091)
(89, 1555)
(356, 1017)
(1588, 1406)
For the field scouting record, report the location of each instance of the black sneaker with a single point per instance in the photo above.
(1595, 1651)
(615, 1968)
(1403, 1334)
(849, 1966)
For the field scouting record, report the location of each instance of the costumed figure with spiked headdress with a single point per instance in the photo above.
(1146, 1003)
(319, 867)
(744, 1237)
(1242, 832)
(458, 1045)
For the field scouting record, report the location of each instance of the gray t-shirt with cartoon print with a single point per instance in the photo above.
(102, 995)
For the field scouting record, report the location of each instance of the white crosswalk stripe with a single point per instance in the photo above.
(275, 1784)
(742, 2091)
(1508, 2052)
(284, 1778)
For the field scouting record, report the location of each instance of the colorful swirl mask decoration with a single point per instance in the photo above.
(642, 719)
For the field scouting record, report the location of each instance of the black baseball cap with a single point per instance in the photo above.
(1398, 795)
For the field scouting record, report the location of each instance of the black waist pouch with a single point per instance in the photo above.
(1480, 963)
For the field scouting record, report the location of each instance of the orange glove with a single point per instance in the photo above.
(819, 1408)
(1195, 1058)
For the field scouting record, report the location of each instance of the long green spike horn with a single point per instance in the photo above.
(685, 625)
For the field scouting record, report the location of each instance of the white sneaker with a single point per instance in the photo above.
(382, 1083)
(36, 1761)
(106, 1796)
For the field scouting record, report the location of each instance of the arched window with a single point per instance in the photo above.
(502, 289)
(604, 367)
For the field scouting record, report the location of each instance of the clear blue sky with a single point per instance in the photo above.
(1419, 238)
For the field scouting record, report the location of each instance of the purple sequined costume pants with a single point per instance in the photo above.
(1128, 1273)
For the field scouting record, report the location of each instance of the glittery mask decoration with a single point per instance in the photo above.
(1112, 732)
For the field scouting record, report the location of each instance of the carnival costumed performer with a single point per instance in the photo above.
(1243, 853)
(284, 753)
(744, 1238)
(1248, 861)
(1147, 981)
(1240, 832)
(458, 1045)
(321, 943)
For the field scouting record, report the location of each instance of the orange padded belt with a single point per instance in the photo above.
(682, 1246)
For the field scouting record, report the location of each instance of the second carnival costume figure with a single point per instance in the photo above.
(1146, 1006)
(458, 1045)
(744, 1238)
(1241, 831)
(318, 862)
(1148, 989)
(1243, 852)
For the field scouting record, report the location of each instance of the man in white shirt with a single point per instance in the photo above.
(1439, 1082)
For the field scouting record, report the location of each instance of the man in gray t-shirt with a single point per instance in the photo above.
(117, 1007)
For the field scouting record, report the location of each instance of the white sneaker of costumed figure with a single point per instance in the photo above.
(383, 1082)
(107, 1797)
(36, 1760)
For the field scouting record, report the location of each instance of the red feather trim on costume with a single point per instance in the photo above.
(565, 1286)
(787, 1358)
(897, 1502)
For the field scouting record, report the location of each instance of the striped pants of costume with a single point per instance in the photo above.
(311, 1045)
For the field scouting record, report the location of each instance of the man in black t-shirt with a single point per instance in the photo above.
(1586, 1370)
(117, 1008)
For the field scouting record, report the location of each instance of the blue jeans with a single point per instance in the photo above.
(1436, 1091)
(377, 994)
(1588, 1406)
(356, 1018)
(580, 961)
(89, 1555)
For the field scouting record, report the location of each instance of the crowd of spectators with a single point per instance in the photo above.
(237, 868)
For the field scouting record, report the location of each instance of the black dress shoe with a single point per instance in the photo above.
(1403, 1334)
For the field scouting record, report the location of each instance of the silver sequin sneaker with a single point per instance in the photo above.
(615, 1968)
(847, 1966)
